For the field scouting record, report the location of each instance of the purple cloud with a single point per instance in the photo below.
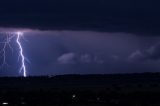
(70, 58)
(152, 53)
(67, 58)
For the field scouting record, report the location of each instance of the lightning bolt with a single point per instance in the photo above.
(23, 67)
(6, 45)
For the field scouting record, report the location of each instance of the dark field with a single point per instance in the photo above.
(82, 90)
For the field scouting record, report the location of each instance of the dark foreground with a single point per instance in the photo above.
(82, 90)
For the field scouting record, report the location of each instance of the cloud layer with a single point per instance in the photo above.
(140, 17)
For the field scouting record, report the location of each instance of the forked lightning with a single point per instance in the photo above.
(6, 44)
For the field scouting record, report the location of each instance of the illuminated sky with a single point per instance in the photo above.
(85, 52)
(83, 37)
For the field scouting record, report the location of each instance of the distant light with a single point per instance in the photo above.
(50, 76)
(5, 103)
(98, 99)
(73, 96)
(23, 103)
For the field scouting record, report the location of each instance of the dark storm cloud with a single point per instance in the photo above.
(134, 16)
(152, 53)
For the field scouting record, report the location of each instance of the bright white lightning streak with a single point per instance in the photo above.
(23, 67)
(6, 44)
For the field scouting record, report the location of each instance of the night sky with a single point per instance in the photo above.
(82, 36)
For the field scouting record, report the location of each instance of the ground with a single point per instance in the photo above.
(82, 90)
